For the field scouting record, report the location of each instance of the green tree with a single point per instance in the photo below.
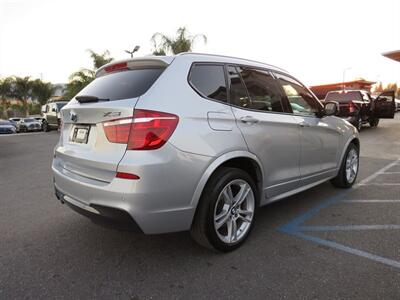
(6, 85)
(182, 42)
(78, 80)
(23, 87)
(42, 91)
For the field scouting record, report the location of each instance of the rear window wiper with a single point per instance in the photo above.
(87, 98)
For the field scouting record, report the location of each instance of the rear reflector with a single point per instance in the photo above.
(116, 67)
(146, 130)
(123, 175)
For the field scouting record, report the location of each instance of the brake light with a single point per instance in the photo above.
(352, 107)
(146, 130)
(116, 67)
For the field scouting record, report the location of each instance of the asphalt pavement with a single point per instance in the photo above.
(324, 243)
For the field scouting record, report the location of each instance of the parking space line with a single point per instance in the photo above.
(294, 227)
(378, 184)
(334, 245)
(370, 201)
(390, 173)
(349, 227)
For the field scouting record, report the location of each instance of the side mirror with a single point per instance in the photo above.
(331, 108)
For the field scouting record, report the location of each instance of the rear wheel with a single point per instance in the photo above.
(225, 215)
(46, 127)
(349, 168)
(374, 122)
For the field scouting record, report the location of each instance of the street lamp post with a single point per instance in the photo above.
(344, 73)
(133, 51)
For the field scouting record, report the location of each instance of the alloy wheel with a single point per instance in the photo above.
(351, 165)
(234, 211)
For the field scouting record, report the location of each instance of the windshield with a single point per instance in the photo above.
(5, 123)
(27, 120)
(122, 85)
(343, 96)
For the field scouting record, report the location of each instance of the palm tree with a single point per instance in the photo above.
(23, 87)
(5, 92)
(182, 42)
(42, 91)
(78, 80)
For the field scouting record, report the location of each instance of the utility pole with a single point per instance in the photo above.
(133, 51)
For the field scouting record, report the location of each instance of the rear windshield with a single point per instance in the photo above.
(5, 123)
(122, 85)
(343, 96)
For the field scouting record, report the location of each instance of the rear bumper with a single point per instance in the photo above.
(159, 202)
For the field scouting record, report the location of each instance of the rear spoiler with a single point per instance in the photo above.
(135, 63)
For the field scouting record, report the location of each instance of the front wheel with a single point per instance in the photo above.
(349, 168)
(226, 211)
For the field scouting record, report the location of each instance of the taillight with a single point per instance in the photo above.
(352, 107)
(146, 130)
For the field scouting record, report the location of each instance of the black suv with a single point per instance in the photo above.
(51, 115)
(358, 107)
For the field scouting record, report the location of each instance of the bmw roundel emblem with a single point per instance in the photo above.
(73, 116)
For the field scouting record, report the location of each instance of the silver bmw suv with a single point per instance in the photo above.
(196, 142)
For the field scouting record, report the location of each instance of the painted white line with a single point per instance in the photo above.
(21, 134)
(390, 173)
(370, 201)
(379, 184)
(376, 174)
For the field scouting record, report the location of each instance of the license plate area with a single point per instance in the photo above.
(80, 134)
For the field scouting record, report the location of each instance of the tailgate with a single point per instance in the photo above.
(84, 148)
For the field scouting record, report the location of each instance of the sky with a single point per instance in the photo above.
(313, 40)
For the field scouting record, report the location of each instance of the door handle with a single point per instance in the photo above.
(304, 124)
(249, 120)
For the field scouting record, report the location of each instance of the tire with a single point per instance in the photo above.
(46, 127)
(343, 180)
(213, 203)
(374, 122)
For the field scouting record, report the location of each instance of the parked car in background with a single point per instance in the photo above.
(51, 114)
(29, 124)
(39, 119)
(196, 142)
(7, 127)
(359, 108)
(15, 122)
(397, 104)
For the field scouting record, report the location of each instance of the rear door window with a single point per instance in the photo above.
(122, 85)
(209, 81)
(262, 90)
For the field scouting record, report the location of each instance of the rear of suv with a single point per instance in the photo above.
(196, 142)
(359, 108)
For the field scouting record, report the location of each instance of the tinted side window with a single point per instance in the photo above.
(262, 90)
(209, 80)
(300, 99)
(238, 93)
(122, 85)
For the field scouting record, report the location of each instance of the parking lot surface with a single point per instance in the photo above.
(324, 243)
